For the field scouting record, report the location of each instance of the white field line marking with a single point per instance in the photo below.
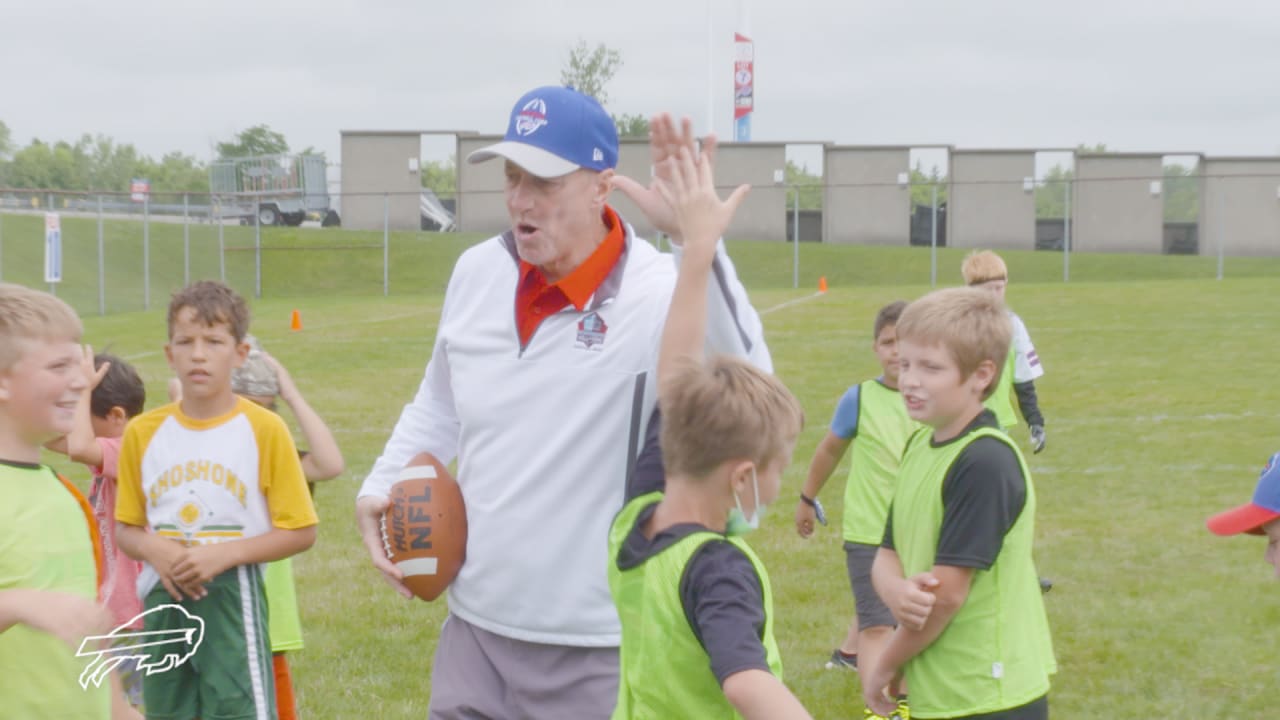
(791, 302)
(1174, 468)
(370, 321)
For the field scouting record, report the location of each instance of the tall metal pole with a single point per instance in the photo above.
(186, 241)
(146, 252)
(386, 244)
(795, 241)
(1066, 232)
(257, 249)
(222, 250)
(1222, 245)
(1, 247)
(933, 238)
(102, 261)
(711, 74)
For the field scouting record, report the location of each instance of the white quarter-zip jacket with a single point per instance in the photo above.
(545, 434)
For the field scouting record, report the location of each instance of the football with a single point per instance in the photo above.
(424, 530)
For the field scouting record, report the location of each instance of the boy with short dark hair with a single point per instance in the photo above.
(871, 417)
(975, 643)
(216, 479)
(694, 600)
(1261, 516)
(50, 560)
(986, 270)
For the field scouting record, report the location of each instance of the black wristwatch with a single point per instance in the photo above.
(816, 504)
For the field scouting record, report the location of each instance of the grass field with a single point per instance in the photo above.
(1159, 396)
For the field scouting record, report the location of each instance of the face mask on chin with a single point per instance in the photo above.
(739, 523)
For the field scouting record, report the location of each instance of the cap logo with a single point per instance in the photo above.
(597, 155)
(531, 117)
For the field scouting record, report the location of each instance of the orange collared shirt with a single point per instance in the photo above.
(536, 300)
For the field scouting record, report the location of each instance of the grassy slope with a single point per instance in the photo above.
(1160, 411)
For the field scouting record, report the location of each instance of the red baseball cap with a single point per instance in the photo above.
(1250, 517)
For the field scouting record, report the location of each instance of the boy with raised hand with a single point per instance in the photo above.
(694, 600)
(216, 479)
(116, 394)
(962, 522)
(50, 556)
(1261, 516)
(263, 379)
(986, 270)
(873, 419)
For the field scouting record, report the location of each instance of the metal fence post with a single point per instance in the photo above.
(102, 261)
(186, 241)
(1, 246)
(146, 252)
(795, 240)
(1066, 231)
(257, 250)
(386, 244)
(222, 250)
(1218, 225)
(933, 238)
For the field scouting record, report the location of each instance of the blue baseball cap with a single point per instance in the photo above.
(1250, 517)
(554, 131)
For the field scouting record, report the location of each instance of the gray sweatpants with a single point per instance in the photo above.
(482, 676)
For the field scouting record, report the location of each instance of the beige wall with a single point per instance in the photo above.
(762, 216)
(1241, 213)
(863, 203)
(996, 212)
(374, 163)
(1112, 205)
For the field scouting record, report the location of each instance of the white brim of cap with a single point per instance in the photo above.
(533, 159)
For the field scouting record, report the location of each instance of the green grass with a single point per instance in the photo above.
(1161, 408)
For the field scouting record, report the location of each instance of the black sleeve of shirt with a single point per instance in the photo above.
(887, 542)
(648, 474)
(724, 603)
(982, 496)
(1028, 402)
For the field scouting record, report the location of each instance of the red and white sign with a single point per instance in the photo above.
(139, 189)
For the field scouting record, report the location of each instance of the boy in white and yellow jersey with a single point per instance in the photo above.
(217, 480)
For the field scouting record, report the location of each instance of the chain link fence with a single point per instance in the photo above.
(123, 253)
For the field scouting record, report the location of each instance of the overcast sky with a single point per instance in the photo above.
(1139, 76)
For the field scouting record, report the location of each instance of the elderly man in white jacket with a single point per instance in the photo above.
(541, 383)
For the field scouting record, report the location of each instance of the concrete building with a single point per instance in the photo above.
(1240, 206)
(991, 203)
(1113, 206)
(864, 203)
(380, 177)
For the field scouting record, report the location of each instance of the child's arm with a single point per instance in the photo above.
(202, 563)
(82, 443)
(759, 695)
(702, 218)
(158, 552)
(69, 617)
(911, 600)
(905, 643)
(323, 460)
(825, 459)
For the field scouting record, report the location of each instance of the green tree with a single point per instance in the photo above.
(257, 140)
(589, 70)
(441, 177)
(922, 186)
(632, 126)
(1181, 191)
(175, 173)
(810, 186)
(6, 141)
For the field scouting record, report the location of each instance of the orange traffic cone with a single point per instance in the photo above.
(295, 323)
(822, 284)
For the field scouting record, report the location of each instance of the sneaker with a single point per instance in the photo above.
(1045, 585)
(841, 661)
